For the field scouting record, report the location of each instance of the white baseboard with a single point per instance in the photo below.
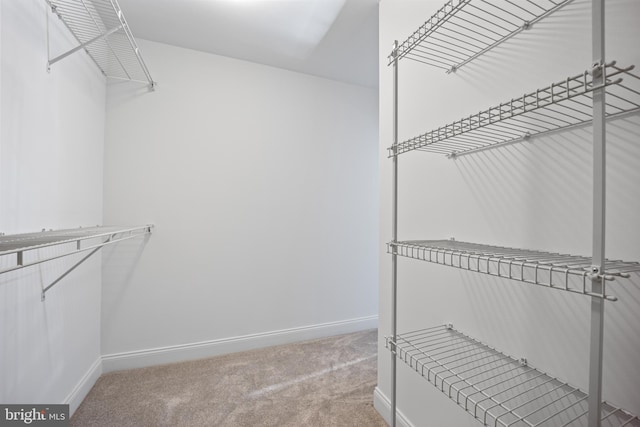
(200, 350)
(80, 391)
(383, 406)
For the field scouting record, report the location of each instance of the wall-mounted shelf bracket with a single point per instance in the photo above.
(102, 32)
(81, 46)
(27, 249)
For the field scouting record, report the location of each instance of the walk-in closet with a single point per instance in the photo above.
(368, 213)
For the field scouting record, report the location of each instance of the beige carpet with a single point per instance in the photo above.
(326, 382)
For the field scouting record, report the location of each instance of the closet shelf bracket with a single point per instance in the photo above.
(19, 251)
(81, 46)
(101, 30)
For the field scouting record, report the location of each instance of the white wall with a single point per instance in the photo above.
(52, 134)
(533, 195)
(262, 184)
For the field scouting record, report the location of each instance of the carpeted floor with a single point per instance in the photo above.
(326, 382)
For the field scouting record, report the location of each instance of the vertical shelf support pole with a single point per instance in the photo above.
(599, 210)
(394, 235)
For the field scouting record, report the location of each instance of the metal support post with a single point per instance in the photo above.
(394, 235)
(599, 210)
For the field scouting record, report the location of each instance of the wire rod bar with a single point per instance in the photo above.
(29, 241)
(533, 389)
(102, 31)
(495, 388)
(496, 375)
(84, 45)
(628, 422)
(526, 24)
(480, 27)
(33, 243)
(562, 105)
(526, 137)
(508, 389)
(553, 270)
(76, 265)
(438, 19)
(96, 19)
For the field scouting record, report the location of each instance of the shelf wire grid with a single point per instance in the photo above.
(564, 272)
(14, 248)
(462, 30)
(562, 105)
(101, 25)
(498, 390)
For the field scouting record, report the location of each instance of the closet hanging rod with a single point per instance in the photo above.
(551, 270)
(15, 247)
(561, 105)
(495, 388)
(461, 31)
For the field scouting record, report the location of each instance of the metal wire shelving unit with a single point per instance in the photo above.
(100, 28)
(551, 270)
(562, 105)
(488, 384)
(19, 251)
(462, 30)
(496, 389)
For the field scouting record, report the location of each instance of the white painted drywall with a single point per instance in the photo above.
(262, 185)
(535, 195)
(50, 177)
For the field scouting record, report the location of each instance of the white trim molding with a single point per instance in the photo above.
(204, 349)
(382, 404)
(80, 391)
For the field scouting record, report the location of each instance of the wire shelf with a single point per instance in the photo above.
(496, 389)
(102, 31)
(462, 30)
(15, 247)
(562, 105)
(552, 270)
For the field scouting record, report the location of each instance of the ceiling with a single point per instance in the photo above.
(335, 39)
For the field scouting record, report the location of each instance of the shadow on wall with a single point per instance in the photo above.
(119, 263)
(122, 92)
(535, 194)
(538, 195)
